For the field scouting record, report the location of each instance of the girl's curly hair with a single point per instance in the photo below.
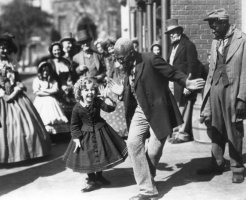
(82, 84)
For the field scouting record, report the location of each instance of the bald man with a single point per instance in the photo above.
(149, 108)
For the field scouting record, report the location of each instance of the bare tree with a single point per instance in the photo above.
(23, 20)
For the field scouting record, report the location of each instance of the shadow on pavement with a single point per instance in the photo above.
(186, 174)
(120, 177)
(46, 166)
(19, 179)
(164, 167)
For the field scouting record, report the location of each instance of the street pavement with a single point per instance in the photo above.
(48, 179)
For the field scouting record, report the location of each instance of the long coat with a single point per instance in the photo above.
(152, 75)
(185, 60)
(235, 69)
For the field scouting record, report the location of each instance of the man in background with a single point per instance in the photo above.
(182, 56)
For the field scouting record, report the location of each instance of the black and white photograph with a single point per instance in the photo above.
(122, 99)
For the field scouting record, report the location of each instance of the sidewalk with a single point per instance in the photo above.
(176, 178)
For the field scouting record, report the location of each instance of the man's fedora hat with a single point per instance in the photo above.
(67, 35)
(172, 24)
(219, 14)
(82, 36)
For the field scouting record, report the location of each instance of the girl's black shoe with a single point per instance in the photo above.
(102, 180)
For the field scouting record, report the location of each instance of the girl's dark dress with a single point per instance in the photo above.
(101, 147)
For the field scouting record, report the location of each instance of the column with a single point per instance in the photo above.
(154, 21)
(149, 4)
(132, 22)
(164, 17)
(140, 28)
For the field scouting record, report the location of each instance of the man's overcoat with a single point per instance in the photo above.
(186, 60)
(152, 75)
(235, 69)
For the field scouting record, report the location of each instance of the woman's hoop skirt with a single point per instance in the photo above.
(22, 135)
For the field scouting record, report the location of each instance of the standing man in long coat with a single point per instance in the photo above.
(183, 56)
(150, 108)
(225, 95)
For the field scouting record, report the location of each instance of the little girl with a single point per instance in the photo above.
(45, 87)
(95, 146)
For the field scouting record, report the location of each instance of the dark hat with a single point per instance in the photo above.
(135, 40)
(156, 43)
(8, 38)
(217, 14)
(82, 36)
(172, 24)
(67, 35)
(108, 43)
(44, 63)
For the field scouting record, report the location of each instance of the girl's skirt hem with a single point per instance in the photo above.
(21, 159)
(100, 149)
(98, 168)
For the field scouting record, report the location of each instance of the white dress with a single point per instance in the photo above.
(48, 107)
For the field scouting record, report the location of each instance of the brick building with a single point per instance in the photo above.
(190, 14)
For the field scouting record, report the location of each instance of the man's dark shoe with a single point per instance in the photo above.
(237, 177)
(143, 197)
(217, 170)
(179, 137)
(91, 185)
(102, 180)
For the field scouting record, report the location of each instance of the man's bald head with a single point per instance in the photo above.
(123, 46)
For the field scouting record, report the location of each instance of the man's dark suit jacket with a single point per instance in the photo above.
(152, 75)
(185, 60)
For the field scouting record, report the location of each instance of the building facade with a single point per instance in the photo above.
(190, 14)
(97, 16)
